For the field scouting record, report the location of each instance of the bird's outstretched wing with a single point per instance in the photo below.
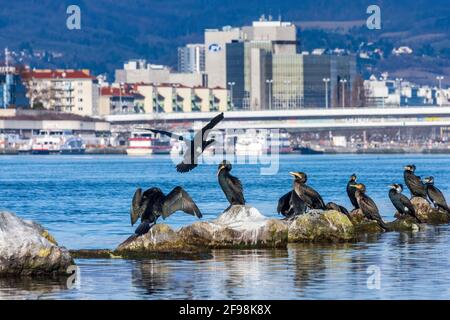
(166, 133)
(284, 204)
(213, 122)
(136, 206)
(316, 198)
(178, 199)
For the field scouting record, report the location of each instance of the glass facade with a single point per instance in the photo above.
(287, 86)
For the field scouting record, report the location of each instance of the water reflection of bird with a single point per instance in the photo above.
(368, 206)
(436, 196)
(196, 146)
(308, 195)
(401, 202)
(337, 207)
(413, 182)
(152, 204)
(231, 186)
(351, 191)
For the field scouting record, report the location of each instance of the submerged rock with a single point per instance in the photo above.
(161, 242)
(238, 227)
(26, 248)
(326, 226)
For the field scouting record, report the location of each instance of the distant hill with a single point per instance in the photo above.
(114, 31)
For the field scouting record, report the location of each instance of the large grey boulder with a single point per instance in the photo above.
(26, 248)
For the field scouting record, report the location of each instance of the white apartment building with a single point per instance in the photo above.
(71, 91)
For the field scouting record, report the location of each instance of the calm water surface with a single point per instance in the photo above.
(84, 202)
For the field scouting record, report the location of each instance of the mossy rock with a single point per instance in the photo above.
(92, 254)
(362, 224)
(428, 214)
(404, 224)
(328, 226)
(161, 242)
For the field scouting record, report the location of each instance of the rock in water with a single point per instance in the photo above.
(427, 213)
(326, 226)
(238, 227)
(26, 248)
(161, 242)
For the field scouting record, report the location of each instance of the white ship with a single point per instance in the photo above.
(252, 143)
(144, 143)
(48, 141)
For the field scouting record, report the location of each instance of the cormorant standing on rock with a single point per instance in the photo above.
(307, 194)
(436, 196)
(413, 182)
(196, 146)
(231, 186)
(351, 191)
(336, 207)
(290, 205)
(368, 206)
(401, 202)
(152, 204)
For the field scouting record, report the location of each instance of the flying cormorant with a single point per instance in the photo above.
(311, 197)
(231, 186)
(152, 204)
(336, 207)
(196, 146)
(413, 182)
(367, 205)
(436, 196)
(351, 191)
(401, 202)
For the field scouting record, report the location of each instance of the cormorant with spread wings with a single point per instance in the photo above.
(152, 204)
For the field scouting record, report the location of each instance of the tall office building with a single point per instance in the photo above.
(191, 58)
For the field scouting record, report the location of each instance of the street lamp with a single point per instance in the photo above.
(231, 85)
(120, 96)
(270, 82)
(343, 81)
(326, 81)
(439, 79)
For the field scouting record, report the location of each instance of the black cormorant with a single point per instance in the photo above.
(152, 204)
(401, 202)
(351, 191)
(336, 207)
(290, 205)
(196, 146)
(231, 186)
(311, 197)
(367, 205)
(436, 196)
(413, 182)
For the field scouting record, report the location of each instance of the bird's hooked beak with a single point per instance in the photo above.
(294, 174)
(220, 169)
(392, 186)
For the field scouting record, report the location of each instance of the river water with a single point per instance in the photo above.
(84, 202)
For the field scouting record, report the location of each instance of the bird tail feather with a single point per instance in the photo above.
(143, 228)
